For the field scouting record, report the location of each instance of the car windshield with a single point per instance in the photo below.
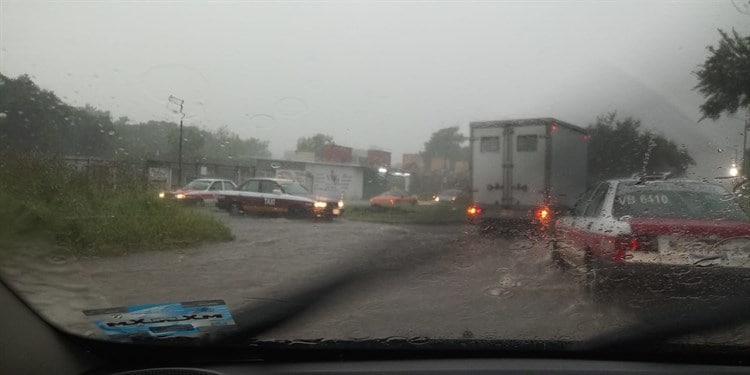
(691, 201)
(457, 175)
(294, 188)
(395, 192)
(198, 185)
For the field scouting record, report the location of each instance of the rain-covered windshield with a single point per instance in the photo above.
(689, 201)
(535, 118)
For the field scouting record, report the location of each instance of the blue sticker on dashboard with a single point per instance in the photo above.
(179, 319)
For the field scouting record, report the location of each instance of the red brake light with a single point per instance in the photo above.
(634, 244)
(627, 244)
(542, 214)
(554, 126)
(585, 137)
(474, 210)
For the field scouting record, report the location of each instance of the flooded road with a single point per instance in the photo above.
(430, 281)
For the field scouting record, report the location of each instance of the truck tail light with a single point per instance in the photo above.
(625, 245)
(474, 210)
(543, 214)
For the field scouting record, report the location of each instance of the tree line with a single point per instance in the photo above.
(621, 147)
(36, 120)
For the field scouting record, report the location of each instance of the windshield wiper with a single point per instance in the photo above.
(268, 314)
(673, 321)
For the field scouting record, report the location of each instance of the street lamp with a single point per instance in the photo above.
(180, 102)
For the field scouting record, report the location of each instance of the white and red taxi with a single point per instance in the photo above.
(648, 230)
(200, 191)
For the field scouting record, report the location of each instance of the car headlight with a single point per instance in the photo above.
(321, 204)
(180, 196)
(437, 199)
(341, 204)
(161, 194)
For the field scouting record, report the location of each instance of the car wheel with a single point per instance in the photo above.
(235, 209)
(296, 212)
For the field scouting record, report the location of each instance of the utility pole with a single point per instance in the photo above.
(179, 102)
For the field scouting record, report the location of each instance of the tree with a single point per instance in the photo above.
(226, 146)
(314, 144)
(33, 119)
(724, 79)
(445, 143)
(619, 148)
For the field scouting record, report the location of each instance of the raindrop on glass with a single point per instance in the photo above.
(261, 121)
(291, 107)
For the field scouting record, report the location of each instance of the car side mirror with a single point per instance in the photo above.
(277, 191)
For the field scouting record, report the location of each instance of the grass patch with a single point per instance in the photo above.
(428, 214)
(103, 214)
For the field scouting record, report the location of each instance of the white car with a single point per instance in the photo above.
(645, 233)
(200, 191)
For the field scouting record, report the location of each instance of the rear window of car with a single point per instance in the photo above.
(677, 200)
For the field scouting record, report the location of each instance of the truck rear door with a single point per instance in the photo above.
(487, 164)
(528, 166)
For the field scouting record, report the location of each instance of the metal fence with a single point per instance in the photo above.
(157, 174)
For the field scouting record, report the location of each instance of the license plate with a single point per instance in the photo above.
(506, 213)
(336, 211)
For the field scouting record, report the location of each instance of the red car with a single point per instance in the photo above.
(200, 191)
(393, 197)
(648, 235)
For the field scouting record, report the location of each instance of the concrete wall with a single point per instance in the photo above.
(333, 180)
(330, 180)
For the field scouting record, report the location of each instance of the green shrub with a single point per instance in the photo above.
(94, 213)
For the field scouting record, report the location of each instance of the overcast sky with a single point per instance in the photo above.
(378, 74)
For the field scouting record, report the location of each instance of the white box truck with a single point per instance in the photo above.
(524, 172)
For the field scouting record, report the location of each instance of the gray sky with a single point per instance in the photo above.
(378, 74)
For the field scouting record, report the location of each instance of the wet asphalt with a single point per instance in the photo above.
(443, 281)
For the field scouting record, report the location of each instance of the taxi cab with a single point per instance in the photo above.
(278, 196)
(651, 234)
